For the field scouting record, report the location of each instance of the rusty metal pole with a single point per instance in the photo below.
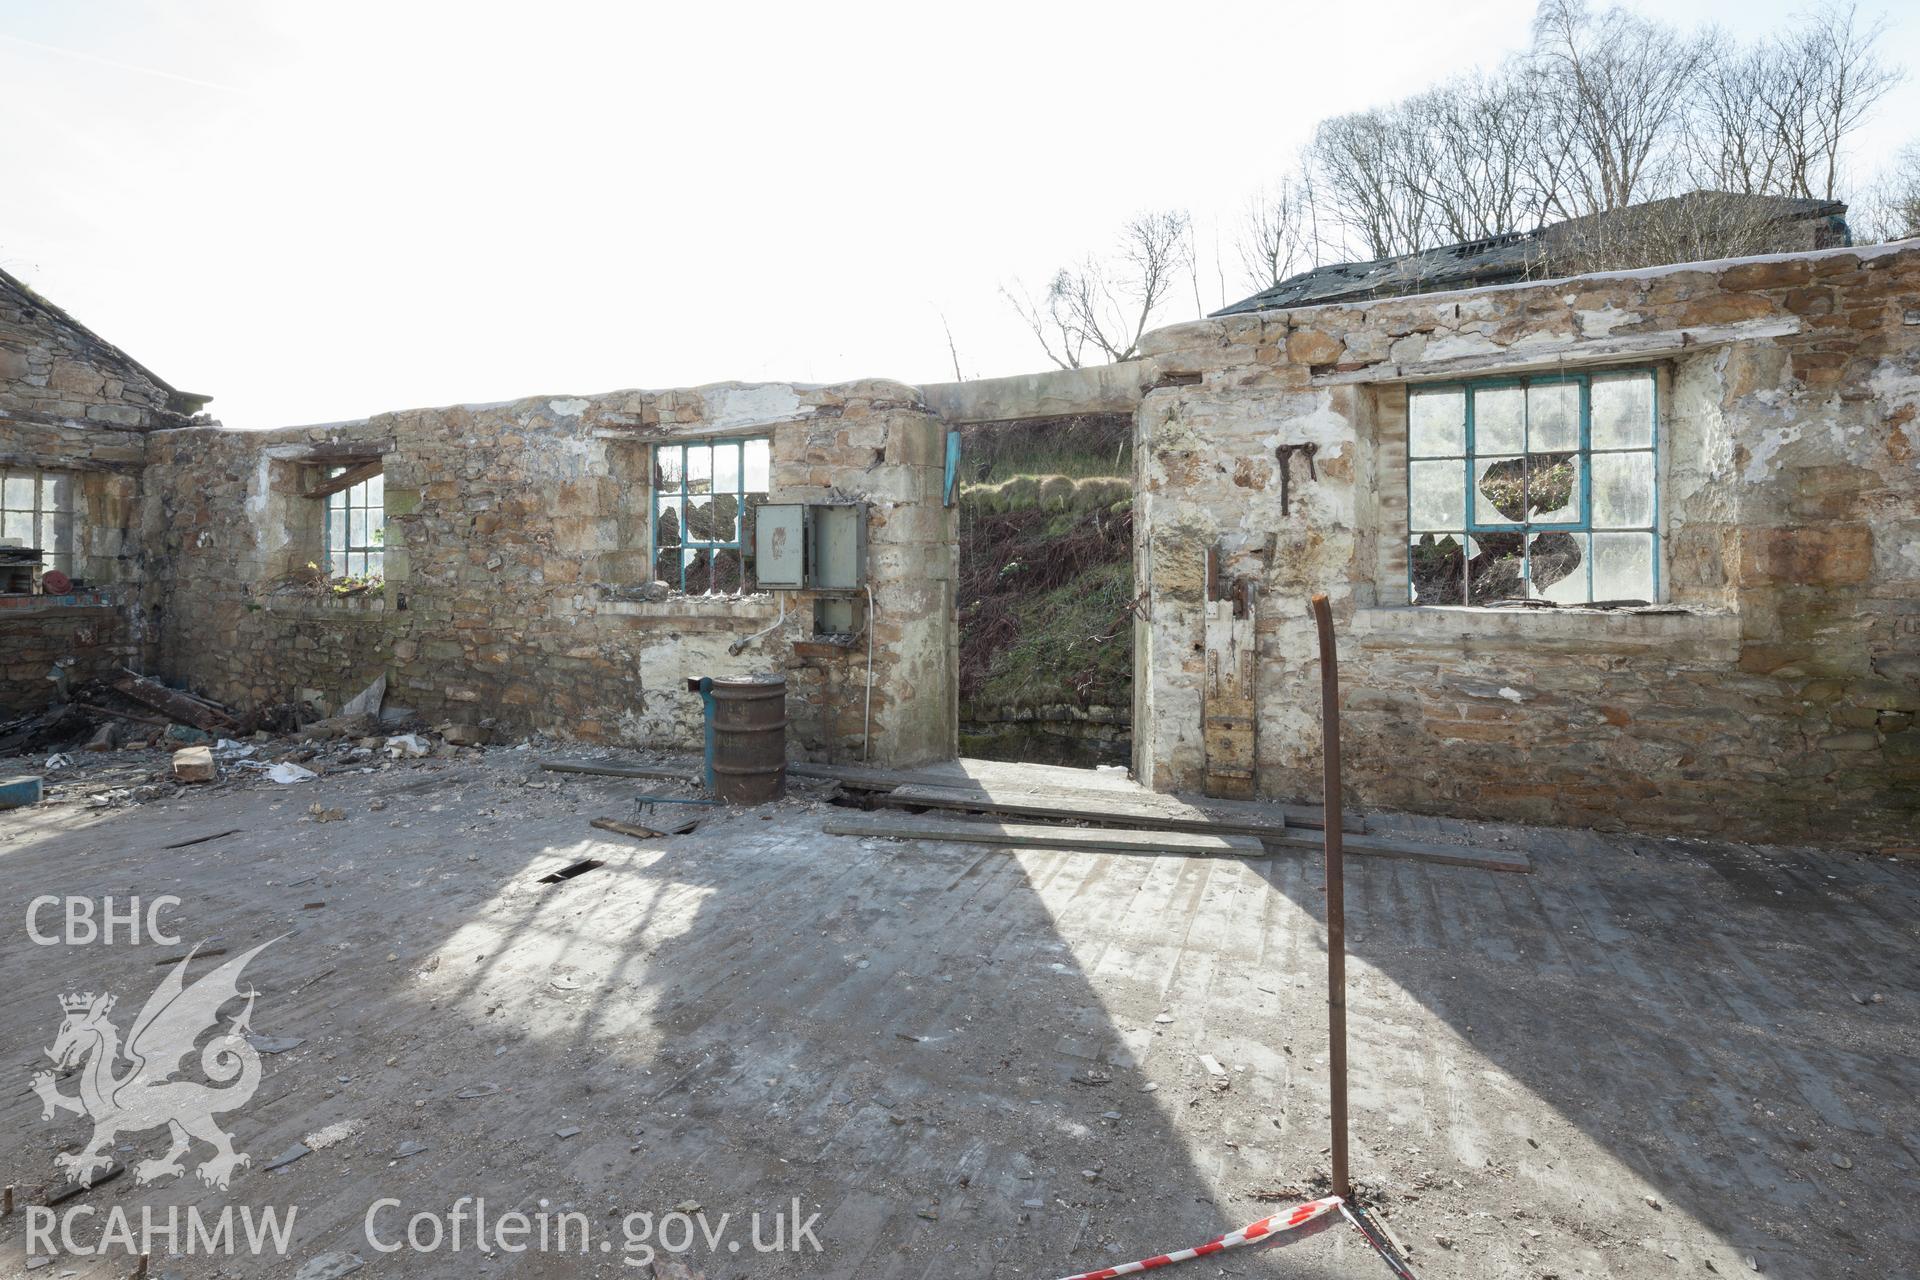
(1336, 896)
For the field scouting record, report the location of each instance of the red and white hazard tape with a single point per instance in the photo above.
(1248, 1234)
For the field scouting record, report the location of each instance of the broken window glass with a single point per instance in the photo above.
(696, 570)
(726, 518)
(704, 491)
(666, 525)
(700, 520)
(1439, 568)
(1557, 567)
(669, 468)
(1553, 488)
(1495, 567)
(1499, 491)
(1549, 483)
(727, 578)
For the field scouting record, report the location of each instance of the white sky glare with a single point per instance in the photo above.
(317, 212)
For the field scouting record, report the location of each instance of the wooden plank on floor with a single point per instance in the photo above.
(1453, 855)
(1036, 836)
(855, 777)
(1147, 812)
(970, 773)
(1087, 786)
(1297, 815)
(610, 769)
(1127, 814)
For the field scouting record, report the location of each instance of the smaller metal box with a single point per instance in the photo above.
(837, 551)
(779, 546)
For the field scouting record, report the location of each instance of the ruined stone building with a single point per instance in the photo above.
(1637, 549)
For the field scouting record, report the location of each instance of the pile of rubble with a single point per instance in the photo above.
(104, 753)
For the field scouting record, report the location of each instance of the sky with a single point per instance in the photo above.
(317, 212)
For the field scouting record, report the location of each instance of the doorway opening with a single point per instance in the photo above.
(1046, 592)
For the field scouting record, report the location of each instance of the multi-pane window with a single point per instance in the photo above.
(704, 495)
(1540, 488)
(36, 510)
(357, 529)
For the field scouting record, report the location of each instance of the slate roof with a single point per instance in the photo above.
(1502, 259)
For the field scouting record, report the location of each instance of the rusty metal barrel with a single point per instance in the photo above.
(749, 742)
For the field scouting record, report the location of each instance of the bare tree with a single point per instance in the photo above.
(1101, 308)
(1277, 238)
(1775, 118)
(953, 349)
(1890, 209)
(1492, 172)
(1747, 102)
(1471, 158)
(1617, 86)
(1371, 166)
(1607, 111)
(1846, 79)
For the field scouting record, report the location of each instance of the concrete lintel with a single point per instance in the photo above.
(1575, 353)
(1056, 393)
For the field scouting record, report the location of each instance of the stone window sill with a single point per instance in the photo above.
(727, 608)
(364, 604)
(1456, 625)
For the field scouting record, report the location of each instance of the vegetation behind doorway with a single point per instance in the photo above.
(1046, 590)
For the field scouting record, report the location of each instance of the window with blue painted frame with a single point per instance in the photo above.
(705, 493)
(1534, 488)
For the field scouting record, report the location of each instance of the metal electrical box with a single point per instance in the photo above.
(837, 549)
(779, 545)
(812, 546)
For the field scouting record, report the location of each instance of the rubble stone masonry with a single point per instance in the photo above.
(1772, 694)
(517, 568)
(72, 403)
(1776, 701)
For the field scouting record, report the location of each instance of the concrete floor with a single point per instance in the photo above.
(1645, 1059)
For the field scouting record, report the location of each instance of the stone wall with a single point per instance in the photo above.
(84, 634)
(1063, 733)
(517, 568)
(1772, 693)
(1776, 699)
(74, 404)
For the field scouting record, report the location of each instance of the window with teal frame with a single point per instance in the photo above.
(1538, 488)
(704, 496)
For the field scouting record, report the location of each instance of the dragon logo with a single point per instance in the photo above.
(145, 1094)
